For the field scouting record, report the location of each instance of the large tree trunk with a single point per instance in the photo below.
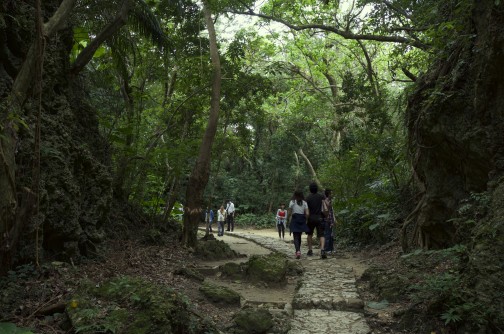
(200, 174)
(456, 123)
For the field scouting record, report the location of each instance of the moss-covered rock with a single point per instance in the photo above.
(294, 268)
(271, 268)
(233, 270)
(214, 250)
(133, 306)
(189, 273)
(220, 294)
(254, 321)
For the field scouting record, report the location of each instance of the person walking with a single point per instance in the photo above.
(221, 218)
(330, 220)
(281, 218)
(315, 202)
(209, 217)
(230, 211)
(298, 212)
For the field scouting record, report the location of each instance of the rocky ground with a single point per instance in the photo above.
(323, 298)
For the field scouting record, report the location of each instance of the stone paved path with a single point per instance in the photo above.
(327, 301)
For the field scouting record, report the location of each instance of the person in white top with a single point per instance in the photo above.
(230, 210)
(298, 214)
(221, 217)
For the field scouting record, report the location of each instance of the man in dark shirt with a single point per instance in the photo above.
(315, 203)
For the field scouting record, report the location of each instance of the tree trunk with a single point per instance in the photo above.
(200, 174)
(310, 168)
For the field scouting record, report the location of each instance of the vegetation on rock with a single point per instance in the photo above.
(254, 321)
(214, 250)
(132, 305)
(220, 294)
(269, 269)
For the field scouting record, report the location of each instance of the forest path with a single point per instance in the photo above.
(327, 300)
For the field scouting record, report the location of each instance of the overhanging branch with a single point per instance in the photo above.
(343, 33)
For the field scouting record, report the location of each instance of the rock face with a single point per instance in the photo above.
(455, 123)
(75, 187)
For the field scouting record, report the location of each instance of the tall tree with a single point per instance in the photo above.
(201, 171)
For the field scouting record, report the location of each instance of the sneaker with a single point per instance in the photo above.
(323, 255)
(310, 253)
(298, 255)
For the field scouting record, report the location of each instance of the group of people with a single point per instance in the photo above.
(225, 214)
(315, 214)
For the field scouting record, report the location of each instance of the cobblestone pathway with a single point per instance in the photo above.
(327, 301)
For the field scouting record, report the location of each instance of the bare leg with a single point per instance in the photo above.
(309, 238)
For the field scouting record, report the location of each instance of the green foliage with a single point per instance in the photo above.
(256, 221)
(445, 288)
(10, 328)
(132, 305)
(469, 212)
(21, 272)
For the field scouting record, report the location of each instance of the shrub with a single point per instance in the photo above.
(256, 221)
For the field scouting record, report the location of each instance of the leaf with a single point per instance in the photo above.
(373, 226)
(100, 52)
(10, 328)
(378, 305)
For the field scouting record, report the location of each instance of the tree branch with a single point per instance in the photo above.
(342, 33)
(110, 29)
(369, 68)
(399, 11)
(310, 167)
(409, 74)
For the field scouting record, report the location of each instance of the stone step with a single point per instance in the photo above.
(327, 300)
(328, 322)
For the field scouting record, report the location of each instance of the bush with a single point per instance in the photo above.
(368, 219)
(256, 221)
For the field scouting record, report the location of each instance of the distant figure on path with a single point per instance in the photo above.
(209, 217)
(298, 212)
(315, 201)
(230, 210)
(281, 218)
(221, 218)
(329, 221)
